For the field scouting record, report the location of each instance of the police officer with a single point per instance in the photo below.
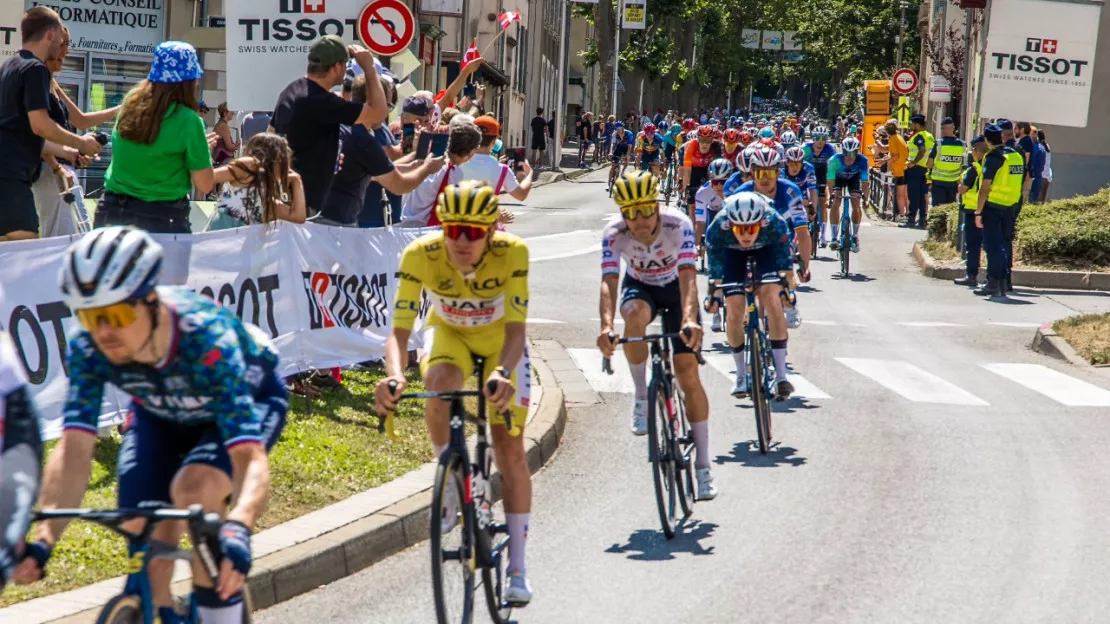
(969, 203)
(999, 194)
(921, 144)
(946, 161)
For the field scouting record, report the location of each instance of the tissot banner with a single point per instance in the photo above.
(1039, 63)
(10, 41)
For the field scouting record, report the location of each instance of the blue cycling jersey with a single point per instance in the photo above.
(819, 159)
(212, 373)
(773, 233)
(787, 200)
(838, 169)
(806, 180)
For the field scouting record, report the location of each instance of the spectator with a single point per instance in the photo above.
(160, 151)
(539, 137)
(558, 139)
(463, 140)
(598, 135)
(1046, 171)
(202, 108)
(373, 210)
(430, 115)
(1034, 161)
(254, 123)
(899, 154)
(365, 159)
(26, 128)
(488, 169)
(260, 187)
(880, 149)
(226, 147)
(308, 114)
(584, 126)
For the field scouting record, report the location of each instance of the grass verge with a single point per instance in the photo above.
(330, 449)
(1088, 334)
(941, 251)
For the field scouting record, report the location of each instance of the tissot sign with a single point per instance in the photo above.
(117, 26)
(1039, 63)
(10, 41)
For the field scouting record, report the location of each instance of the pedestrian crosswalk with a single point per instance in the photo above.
(898, 377)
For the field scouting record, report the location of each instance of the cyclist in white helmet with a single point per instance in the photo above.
(707, 202)
(748, 227)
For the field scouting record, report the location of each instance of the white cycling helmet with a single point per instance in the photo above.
(692, 135)
(108, 266)
(795, 154)
(850, 144)
(788, 138)
(765, 156)
(745, 208)
(744, 159)
(720, 169)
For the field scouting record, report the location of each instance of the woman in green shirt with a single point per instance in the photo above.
(160, 150)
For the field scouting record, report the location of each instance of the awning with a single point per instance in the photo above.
(492, 75)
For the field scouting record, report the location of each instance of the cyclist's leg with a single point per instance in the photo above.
(446, 365)
(771, 304)
(857, 211)
(736, 319)
(834, 212)
(637, 309)
(686, 371)
(823, 207)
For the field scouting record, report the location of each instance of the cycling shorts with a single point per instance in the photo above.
(667, 298)
(647, 157)
(697, 178)
(736, 268)
(444, 345)
(154, 449)
(620, 150)
(821, 189)
(668, 151)
(852, 184)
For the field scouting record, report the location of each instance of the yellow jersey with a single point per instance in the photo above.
(496, 293)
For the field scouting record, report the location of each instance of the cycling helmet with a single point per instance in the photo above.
(649, 129)
(705, 132)
(717, 133)
(635, 187)
(620, 124)
(674, 129)
(788, 138)
(766, 133)
(821, 133)
(732, 135)
(469, 202)
(110, 265)
(795, 154)
(744, 159)
(689, 124)
(720, 169)
(745, 208)
(746, 137)
(765, 157)
(692, 135)
(850, 144)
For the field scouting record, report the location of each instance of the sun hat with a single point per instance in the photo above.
(174, 61)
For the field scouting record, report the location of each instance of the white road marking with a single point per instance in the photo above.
(930, 324)
(542, 321)
(589, 362)
(911, 382)
(725, 365)
(570, 254)
(546, 236)
(1053, 384)
(1022, 325)
(806, 321)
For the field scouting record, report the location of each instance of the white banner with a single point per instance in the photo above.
(1040, 61)
(635, 14)
(790, 41)
(772, 40)
(750, 38)
(10, 40)
(443, 7)
(119, 26)
(324, 295)
(267, 43)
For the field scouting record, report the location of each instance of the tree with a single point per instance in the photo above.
(948, 58)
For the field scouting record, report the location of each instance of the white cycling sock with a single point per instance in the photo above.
(835, 231)
(700, 431)
(738, 360)
(213, 610)
(437, 451)
(518, 535)
(779, 355)
(639, 379)
(855, 229)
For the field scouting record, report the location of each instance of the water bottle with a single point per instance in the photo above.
(481, 500)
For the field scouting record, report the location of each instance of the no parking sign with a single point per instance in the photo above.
(386, 27)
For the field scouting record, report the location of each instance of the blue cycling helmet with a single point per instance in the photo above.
(674, 129)
(620, 124)
(766, 133)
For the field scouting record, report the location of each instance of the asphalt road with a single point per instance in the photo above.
(937, 469)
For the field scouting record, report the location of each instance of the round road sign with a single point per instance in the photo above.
(386, 27)
(905, 81)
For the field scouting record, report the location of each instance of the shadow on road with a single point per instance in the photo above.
(1008, 300)
(747, 454)
(650, 545)
(854, 277)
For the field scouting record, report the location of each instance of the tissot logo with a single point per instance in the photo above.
(1034, 44)
(302, 6)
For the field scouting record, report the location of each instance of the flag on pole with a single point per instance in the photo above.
(508, 18)
(471, 54)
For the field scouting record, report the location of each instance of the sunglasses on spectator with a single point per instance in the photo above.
(455, 231)
(116, 316)
(760, 174)
(746, 230)
(636, 211)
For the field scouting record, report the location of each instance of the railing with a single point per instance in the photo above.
(882, 197)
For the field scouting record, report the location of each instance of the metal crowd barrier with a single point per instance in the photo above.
(882, 197)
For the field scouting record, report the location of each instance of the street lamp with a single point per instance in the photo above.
(901, 31)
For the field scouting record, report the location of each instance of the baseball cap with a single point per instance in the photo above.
(415, 105)
(488, 125)
(328, 50)
(917, 119)
(202, 107)
(947, 121)
(1004, 124)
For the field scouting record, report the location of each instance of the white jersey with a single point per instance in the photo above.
(656, 264)
(706, 202)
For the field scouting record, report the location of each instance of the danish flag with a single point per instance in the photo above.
(471, 54)
(508, 18)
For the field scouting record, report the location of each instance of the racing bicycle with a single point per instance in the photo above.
(135, 605)
(463, 534)
(668, 182)
(616, 170)
(845, 232)
(815, 231)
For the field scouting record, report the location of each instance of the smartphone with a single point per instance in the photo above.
(517, 155)
(470, 90)
(408, 129)
(436, 144)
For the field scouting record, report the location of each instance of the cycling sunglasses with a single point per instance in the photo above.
(759, 174)
(636, 211)
(717, 182)
(116, 316)
(746, 230)
(455, 231)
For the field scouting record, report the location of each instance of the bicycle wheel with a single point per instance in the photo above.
(814, 234)
(121, 609)
(452, 551)
(684, 452)
(760, 402)
(495, 579)
(662, 466)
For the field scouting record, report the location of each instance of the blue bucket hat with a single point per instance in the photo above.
(174, 61)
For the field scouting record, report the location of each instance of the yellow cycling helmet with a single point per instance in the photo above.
(635, 187)
(470, 202)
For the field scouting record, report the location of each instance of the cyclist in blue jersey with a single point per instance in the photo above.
(671, 140)
(847, 173)
(818, 154)
(748, 227)
(207, 404)
(803, 176)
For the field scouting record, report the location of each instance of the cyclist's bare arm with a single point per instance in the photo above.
(65, 480)
(688, 286)
(607, 307)
(250, 487)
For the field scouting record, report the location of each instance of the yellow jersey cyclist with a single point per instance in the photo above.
(476, 279)
(206, 405)
(657, 244)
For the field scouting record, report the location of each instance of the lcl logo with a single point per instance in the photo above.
(1045, 46)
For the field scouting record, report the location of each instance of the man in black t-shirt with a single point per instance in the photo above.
(308, 115)
(539, 137)
(25, 123)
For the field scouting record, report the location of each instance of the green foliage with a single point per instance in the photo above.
(590, 56)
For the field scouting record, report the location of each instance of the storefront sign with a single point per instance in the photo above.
(634, 15)
(772, 40)
(1039, 63)
(750, 38)
(113, 26)
(452, 8)
(10, 41)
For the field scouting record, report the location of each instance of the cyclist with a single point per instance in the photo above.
(818, 154)
(207, 405)
(803, 175)
(648, 145)
(731, 138)
(708, 200)
(847, 171)
(788, 140)
(672, 140)
(748, 227)
(618, 152)
(476, 279)
(657, 244)
(695, 164)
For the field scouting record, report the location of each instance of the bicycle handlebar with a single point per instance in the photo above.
(385, 423)
(607, 365)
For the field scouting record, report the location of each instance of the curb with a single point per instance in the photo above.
(1065, 280)
(301, 568)
(1047, 342)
